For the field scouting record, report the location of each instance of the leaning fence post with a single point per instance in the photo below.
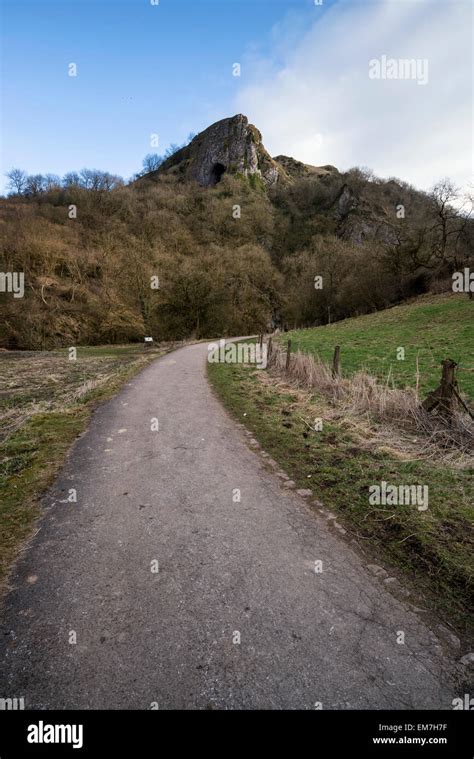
(261, 340)
(288, 355)
(336, 362)
(444, 395)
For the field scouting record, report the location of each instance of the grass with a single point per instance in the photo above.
(432, 328)
(431, 549)
(46, 401)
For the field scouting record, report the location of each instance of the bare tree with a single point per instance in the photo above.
(71, 179)
(173, 148)
(52, 182)
(17, 180)
(152, 162)
(35, 184)
(110, 181)
(89, 178)
(94, 179)
(449, 221)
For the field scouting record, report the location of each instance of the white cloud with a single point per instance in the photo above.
(320, 106)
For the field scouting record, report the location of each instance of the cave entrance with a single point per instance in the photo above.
(216, 173)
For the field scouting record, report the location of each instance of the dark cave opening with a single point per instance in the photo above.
(216, 173)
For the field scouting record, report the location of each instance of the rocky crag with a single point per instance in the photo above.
(232, 146)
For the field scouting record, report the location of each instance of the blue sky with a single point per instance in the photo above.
(167, 69)
(141, 69)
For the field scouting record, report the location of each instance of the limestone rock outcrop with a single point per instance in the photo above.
(231, 145)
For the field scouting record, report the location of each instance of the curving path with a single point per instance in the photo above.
(167, 637)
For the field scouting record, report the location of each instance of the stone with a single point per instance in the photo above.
(289, 484)
(468, 660)
(448, 637)
(346, 202)
(231, 146)
(376, 570)
(305, 493)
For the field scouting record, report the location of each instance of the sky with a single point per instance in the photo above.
(312, 79)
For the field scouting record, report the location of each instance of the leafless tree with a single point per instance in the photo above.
(17, 180)
(449, 221)
(71, 179)
(35, 184)
(152, 162)
(51, 182)
(94, 179)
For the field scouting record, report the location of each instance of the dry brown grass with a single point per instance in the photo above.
(34, 383)
(367, 404)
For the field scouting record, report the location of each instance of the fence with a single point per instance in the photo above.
(445, 400)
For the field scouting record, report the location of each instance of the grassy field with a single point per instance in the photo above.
(432, 551)
(432, 328)
(46, 401)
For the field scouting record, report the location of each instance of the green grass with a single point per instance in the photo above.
(46, 417)
(432, 328)
(432, 549)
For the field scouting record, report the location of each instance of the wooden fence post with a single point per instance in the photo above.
(447, 386)
(444, 395)
(269, 348)
(336, 362)
(288, 355)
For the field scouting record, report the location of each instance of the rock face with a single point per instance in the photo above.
(231, 145)
(298, 170)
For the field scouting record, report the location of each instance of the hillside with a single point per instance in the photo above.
(429, 329)
(221, 240)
